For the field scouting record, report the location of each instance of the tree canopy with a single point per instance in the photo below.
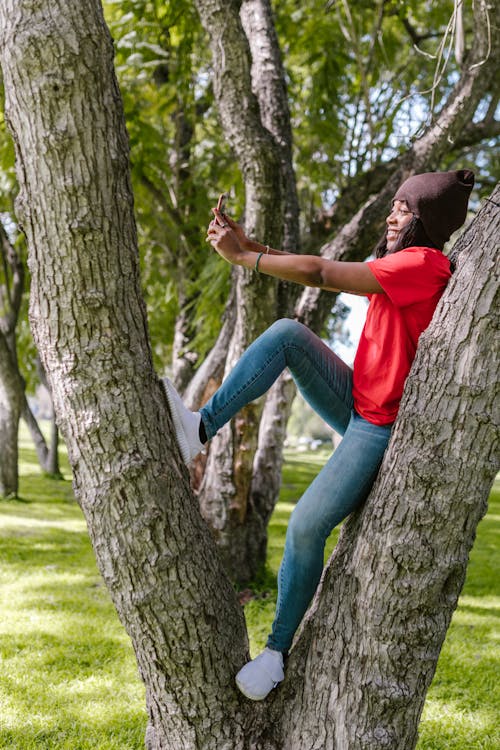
(363, 80)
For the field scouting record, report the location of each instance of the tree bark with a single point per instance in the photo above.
(11, 382)
(13, 402)
(226, 483)
(75, 205)
(48, 455)
(269, 87)
(209, 375)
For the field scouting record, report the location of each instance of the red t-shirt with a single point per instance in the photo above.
(413, 280)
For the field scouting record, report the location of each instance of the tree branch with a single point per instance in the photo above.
(356, 238)
(476, 132)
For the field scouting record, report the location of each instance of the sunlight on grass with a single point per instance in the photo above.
(68, 677)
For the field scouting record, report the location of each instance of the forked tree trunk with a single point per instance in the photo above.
(358, 673)
(226, 482)
(254, 112)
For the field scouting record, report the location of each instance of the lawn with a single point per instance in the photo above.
(68, 679)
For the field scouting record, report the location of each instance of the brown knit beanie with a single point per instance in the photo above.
(439, 199)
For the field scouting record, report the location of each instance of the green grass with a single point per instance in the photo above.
(68, 679)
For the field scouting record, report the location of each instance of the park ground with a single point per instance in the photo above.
(68, 679)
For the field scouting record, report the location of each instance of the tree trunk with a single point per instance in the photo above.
(226, 482)
(155, 553)
(48, 455)
(11, 392)
(13, 397)
(11, 382)
(183, 360)
(51, 458)
(209, 375)
(13, 406)
(269, 87)
(259, 132)
(268, 462)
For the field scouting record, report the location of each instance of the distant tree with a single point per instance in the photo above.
(13, 402)
(11, 383)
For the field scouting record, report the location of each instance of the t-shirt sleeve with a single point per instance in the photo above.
(411, 275)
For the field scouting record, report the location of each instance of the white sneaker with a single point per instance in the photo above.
(259, 676)
(186, 424)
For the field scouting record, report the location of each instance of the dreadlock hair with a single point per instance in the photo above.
(413, 235)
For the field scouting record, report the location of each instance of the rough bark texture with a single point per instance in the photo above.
(268, 85)
(224, 493)
(370, 647)
(75, 206)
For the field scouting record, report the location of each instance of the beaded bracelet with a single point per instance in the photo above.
(259, 256)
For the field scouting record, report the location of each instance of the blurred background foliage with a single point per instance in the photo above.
(364, 79)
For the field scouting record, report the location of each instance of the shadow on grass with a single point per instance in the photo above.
(68, 731)
(40, 488)
(43, 549)
(480, 610)
(453, 727)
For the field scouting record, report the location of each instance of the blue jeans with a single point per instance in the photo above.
(325, 382)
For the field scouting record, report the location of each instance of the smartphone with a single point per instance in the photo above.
(221, 203)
